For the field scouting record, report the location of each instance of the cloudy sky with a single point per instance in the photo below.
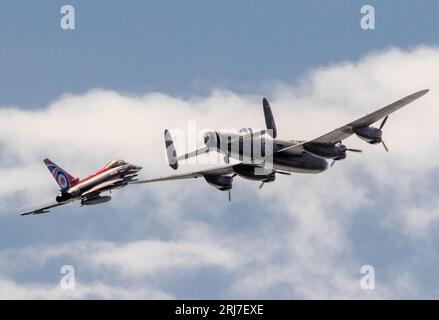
(129, 70)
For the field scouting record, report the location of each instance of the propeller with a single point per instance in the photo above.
(347, 149)
(383, 122)
(354, 150)
(384, 145)
(381, 126)
(284, 172)
(276, 171)
(230, 193)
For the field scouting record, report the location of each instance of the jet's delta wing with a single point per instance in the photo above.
(346, 131)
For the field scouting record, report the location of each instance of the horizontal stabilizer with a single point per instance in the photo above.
(170, 150)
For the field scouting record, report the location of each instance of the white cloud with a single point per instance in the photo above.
(12, 290)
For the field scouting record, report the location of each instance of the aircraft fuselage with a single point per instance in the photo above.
(105, 179)
(303, 162)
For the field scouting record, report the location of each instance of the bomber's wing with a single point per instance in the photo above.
(227, 169)
(45, 209)
(346, 131)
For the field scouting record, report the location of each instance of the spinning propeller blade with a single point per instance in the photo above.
(284, 172)
(381, 126)
(383, 122)
(384, 145)
(354, 150)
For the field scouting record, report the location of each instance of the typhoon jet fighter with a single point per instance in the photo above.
(116, 174)
(250, 149)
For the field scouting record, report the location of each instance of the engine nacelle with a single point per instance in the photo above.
(95, 200)
(369, 134)
(255, 174)
(222, 183)
(326, 151)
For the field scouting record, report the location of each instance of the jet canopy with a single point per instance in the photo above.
(115, 163)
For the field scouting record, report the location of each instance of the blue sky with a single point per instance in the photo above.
(130, 69)
(189, 47)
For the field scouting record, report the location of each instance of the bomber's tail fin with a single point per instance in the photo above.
(170, 150)
(269, 119)
(62, 177)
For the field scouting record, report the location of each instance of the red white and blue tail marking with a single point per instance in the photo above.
(62, 177)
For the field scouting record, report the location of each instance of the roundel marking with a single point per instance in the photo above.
(62, 180)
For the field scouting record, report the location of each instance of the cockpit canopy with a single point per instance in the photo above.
(245, 130)
(115, 163)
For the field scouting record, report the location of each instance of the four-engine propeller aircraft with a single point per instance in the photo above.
(286, 155)
(116, 174)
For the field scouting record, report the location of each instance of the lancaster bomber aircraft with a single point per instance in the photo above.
(286, 156)
(116, 174)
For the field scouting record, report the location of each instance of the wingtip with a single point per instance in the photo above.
(418, 94)
(265, 102)
(421, 92)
